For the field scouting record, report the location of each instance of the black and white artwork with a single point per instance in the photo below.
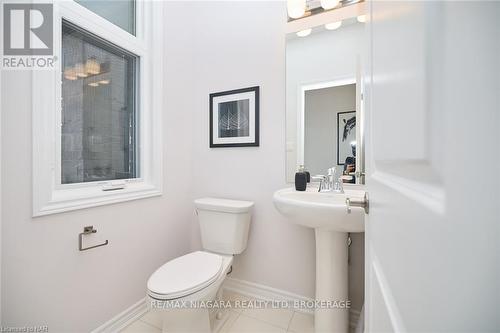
(346, 136)
(234, 118)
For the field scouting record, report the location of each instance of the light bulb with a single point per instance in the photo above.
(296, 8)
(80, 70)
(93, 84)
(304, 33)
(361, 18)
(104, 81)
(329, 4)
(70, 74)
(333, 25)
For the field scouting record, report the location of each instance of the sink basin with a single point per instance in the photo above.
(326, 211)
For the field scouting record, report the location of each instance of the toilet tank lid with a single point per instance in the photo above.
(224, 205)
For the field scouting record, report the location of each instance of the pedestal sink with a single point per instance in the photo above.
(327, 213)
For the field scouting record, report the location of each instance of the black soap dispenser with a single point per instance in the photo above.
(308, 175)
(301, 179)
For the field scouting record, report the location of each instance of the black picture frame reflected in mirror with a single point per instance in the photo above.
(346, 137)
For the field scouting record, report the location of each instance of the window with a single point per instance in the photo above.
(98, 109)
(118, 12)
(97, 118)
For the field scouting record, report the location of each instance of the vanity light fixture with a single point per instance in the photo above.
(304, 33)
(333, 25)
(329, 4)
(361, 18)
(296, 8)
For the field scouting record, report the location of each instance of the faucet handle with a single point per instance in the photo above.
(323, 180)
(318, 178)
(338, 185)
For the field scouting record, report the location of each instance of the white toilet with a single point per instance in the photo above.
(197, 276)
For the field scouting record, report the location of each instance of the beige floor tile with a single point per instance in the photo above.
(244, 324)
(153, 317)
(276, 317)
(233, 297)
(232, 316)
(140, 327)
(302, 323)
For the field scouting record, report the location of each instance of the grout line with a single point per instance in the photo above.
(232, 324)
(145, 322)
(290, 322)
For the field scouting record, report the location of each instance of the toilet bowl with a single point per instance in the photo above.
(183, 287)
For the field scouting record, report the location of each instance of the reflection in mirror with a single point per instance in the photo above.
(324, 108)
(329, 130)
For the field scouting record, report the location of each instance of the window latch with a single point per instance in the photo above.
(113, 186)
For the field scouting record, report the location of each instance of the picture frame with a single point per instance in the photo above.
(346, 134)
(234, 118)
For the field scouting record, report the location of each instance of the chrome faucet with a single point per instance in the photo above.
(330, 183)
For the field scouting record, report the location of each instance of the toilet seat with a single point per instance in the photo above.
(185, 275)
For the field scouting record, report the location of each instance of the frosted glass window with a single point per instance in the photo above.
(118, 12)
(99, 122)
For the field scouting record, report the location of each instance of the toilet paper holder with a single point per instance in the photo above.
(87, 231)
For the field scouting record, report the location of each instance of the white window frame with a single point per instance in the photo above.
(49, 195)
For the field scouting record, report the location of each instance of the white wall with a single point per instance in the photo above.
(320, 57)
(320, 125)
(241, 44)
(45, 279)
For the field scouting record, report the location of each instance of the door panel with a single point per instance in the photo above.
(432, 114)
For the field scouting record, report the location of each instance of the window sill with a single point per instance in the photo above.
(64, 200)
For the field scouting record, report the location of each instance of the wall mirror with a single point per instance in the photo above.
(324, 108)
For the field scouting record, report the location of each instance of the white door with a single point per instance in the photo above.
(433, 167)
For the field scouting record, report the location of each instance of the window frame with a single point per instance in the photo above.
(49, 195)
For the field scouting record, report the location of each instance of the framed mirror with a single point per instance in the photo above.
(324, 108)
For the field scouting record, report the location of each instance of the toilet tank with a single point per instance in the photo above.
(224, 224)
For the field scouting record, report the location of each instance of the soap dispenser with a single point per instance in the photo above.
(301, 179)
(308, 175)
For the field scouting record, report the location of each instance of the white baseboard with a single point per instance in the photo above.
(263, 292)
(259, 291)
(123, 319)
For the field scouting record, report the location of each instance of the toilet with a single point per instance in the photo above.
(197, 277)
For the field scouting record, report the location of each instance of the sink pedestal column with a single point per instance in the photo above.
(331, 281)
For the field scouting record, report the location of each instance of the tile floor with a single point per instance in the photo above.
(240, 320)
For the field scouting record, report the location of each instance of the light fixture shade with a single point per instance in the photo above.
(296, 8)
(70, 74)
(92, 66)
(361, 18)
(333, 25)
(304, 33)
(80, 70)
(329, 4)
